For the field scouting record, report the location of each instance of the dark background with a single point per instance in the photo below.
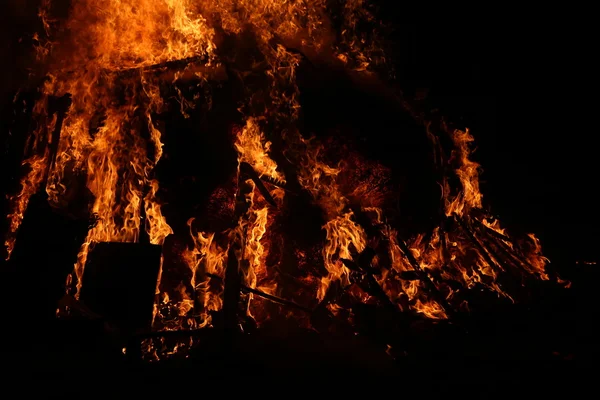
(521, 85)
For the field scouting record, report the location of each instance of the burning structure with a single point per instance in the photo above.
(282, 227)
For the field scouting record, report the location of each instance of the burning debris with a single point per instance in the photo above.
(116, 71)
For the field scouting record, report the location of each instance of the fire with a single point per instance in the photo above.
(124, 63)
(206, 257)
(122, 34)
(253, 148)
(29, 185)
(468, 172)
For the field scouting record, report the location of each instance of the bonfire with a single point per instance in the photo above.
(113, 71)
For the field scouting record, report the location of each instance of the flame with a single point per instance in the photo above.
(122, 34)
(468, 172)
(342, 234)
(254, 149)
(29, 185)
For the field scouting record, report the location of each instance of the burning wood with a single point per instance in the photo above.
(423, 276)
(502, 243)
(485, 252)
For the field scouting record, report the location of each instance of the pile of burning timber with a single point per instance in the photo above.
(119, 274)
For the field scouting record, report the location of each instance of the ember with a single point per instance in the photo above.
(283, 227)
